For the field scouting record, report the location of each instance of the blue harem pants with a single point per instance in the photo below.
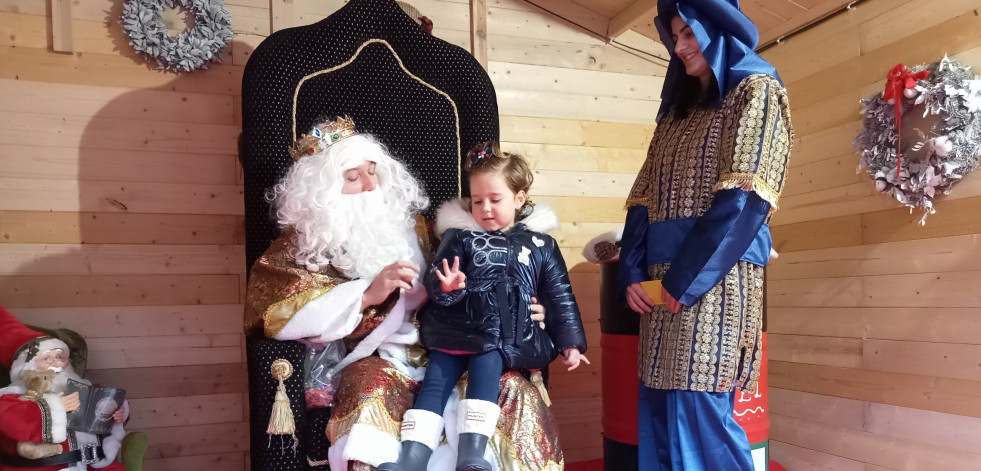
(690, 431)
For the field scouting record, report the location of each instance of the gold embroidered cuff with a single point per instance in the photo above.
(631, 202)
(749, 182)
(279, 314)
(372, 412)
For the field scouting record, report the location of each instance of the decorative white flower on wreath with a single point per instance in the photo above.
(191, 50)
(938, 145)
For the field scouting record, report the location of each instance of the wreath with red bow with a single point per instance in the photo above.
(923, 133)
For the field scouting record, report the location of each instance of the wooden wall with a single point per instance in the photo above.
(873, 320)
(121, 197)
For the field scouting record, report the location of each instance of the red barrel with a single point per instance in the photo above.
(752, 412)
(619, 326)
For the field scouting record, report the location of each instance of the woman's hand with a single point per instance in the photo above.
(573, 357)
(638, 299)
(669, 302)
(453, 279)
(397, 275)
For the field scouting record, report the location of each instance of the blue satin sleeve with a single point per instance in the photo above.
(715, 244)
(633, 249)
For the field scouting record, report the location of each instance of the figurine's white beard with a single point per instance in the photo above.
(360, 235)
(60, 382)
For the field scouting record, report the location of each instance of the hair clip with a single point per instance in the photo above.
(485, 153)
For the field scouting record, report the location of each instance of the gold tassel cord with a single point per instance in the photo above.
(536, 379)
(281, 419)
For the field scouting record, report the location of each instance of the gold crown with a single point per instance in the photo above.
(323, 136)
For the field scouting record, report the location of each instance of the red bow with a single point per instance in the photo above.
(426, 24)
(898, 80)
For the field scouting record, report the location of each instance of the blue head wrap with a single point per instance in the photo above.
(727, 38)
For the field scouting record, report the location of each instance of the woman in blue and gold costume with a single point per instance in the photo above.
(697, 220)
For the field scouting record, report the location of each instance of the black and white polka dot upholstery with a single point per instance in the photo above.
(428, 114)
(413, 120)
(275, 453)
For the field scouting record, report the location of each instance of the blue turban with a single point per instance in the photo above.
(727, 38)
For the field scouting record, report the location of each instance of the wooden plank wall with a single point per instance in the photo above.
(121, 197)
(873, 320)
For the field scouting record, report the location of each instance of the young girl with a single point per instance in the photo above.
(478, 319)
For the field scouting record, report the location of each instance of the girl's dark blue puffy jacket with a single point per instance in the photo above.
(504, 270)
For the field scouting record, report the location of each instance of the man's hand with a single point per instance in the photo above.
(638, 299)
(452, 279)
(70, 401)
(537, 312)
(669, 302)
(573, 357)
(397, 275)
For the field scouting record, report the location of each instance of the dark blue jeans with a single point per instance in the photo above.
(484, 380)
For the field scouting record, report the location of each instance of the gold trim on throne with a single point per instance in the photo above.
(456, 114)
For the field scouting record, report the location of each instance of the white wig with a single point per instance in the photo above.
(348, 231)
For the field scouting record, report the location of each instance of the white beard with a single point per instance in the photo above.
(60, 382)
(362, 234)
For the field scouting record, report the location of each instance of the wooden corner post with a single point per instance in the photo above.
(478, 31)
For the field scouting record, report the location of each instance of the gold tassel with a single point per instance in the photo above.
(281, 420)
(536, 379)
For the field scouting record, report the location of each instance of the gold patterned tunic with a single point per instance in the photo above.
(714, 343)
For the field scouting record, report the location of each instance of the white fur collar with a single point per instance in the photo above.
(453, 215)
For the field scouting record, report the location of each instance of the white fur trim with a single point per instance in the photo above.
(394, 350)
(453, 215)
(393, 321)
(476, 416)
(449, 418)
(422, 426)
(363, 443)
(59, 418)
(17, 389)
(330, 317)
(590, 250)
(52, 344)
(542, 219)
(111, 445)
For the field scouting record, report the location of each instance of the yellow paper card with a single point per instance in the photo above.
(653, 289)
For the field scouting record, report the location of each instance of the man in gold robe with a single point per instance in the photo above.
(347, 267)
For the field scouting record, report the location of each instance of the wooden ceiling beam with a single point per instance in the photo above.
(814, 15)
(576, 14)
(641, 10)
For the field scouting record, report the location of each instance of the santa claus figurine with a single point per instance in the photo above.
(34, 409)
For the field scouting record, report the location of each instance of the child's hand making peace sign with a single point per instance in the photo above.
(454, 279)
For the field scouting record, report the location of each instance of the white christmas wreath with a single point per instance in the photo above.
(191, 50)
(938, 142)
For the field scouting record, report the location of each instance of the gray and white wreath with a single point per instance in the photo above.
(939, 138)
(191, 50)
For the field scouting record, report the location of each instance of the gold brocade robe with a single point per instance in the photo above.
(715, 344)
(373, 392)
